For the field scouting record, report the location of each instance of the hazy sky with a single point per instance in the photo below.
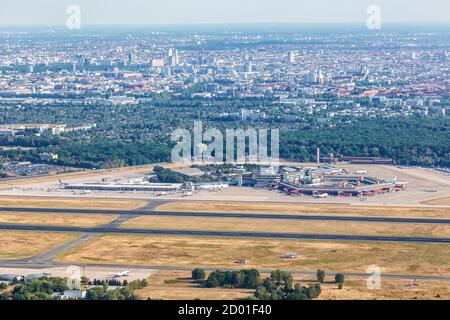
(53, 12)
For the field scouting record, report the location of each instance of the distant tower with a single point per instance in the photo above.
(318, 155)
(320, 78)
(173, 57)
(248, 68)
(177, 57)
(291, 57)
(130, 59)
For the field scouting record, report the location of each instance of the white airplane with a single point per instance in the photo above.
(119, 274)
(321, 195)
(213, 187)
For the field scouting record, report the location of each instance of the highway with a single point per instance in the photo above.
(230, 234)
(231, 215)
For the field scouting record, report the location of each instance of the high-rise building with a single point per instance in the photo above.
(177, 57)
(130, 58)
(81, 59)
(321, 78)
(248, 67)
(167, 71)
(311, 77)
(291, 57)
(173, 57)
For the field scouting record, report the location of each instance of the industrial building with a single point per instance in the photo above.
(152, 187)
(356, 160)
(329, 180)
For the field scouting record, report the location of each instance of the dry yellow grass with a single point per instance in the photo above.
(304, 209)
(391, 289)
(438, 202)
(287, 226)
(176, 285)
(427, 259)
(19, 245)
(71, 203)
(54, 219)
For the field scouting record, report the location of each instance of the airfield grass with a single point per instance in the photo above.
(23, 244)
(305, 209)
(178, 285)
(438, 202)
(212, 252)
(288, 226)
(71, 203)
(54, 219)
(391, 289)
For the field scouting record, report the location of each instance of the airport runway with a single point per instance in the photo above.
(227, 234)
(230, 215)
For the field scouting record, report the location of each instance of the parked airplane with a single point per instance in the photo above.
(119, 274)
(321, 195)
(212, 186)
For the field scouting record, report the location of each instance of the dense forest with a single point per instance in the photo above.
(409, 141)
(135, 135)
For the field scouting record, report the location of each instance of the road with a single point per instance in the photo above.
(151, 212)
(53, 264)
(228, 234)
